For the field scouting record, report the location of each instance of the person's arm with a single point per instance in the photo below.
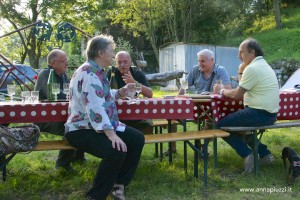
(121, 92)
(237, 93)
(228, 86)
(146, 91)
(241, 69)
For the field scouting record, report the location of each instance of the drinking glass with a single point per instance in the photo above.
(35, 96)
(67, 90)
(11, 91)
(138, 89)
(219, 81)
(130, 93)
(24, 96)
(55, 90)
(184, 85)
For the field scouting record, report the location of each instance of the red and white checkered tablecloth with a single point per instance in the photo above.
(17, 112)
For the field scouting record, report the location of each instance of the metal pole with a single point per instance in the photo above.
(7, 34)
(79, 30)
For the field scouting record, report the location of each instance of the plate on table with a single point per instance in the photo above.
(58, 100)
(198, 96)
(169, 96)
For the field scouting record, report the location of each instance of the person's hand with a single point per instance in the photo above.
(116, 141)
(127, 78)
(123, 91)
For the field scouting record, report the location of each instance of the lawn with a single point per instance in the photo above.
(33, 177)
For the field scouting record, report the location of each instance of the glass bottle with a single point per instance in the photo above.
(51, 80)
(113, 82)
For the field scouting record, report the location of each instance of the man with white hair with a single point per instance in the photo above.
(204, 75)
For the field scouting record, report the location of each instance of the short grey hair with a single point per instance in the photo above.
(206, 52)
(53, 54)
(98, 43)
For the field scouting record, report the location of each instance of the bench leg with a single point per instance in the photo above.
(215, 148)
(156, 145)
(185, 156)
(161, 145)
(170, 144)
(3, 163)
(205, 158)
(256, 141)
(197, 152)
(204, 155)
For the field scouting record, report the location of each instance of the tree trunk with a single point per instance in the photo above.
(277, 14)
(162, 79)
(155, 49)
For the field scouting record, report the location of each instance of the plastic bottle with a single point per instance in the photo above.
(51, 79)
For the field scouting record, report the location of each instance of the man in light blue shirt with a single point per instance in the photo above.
(204, 75)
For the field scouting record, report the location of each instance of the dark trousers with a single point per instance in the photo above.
(65, 157)
(247, 117)
(115, 166)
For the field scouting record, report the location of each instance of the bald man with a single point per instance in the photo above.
(125, 74)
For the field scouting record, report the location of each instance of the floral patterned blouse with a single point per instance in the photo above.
(92, 104)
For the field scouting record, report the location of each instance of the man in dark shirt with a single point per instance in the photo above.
(57, 60)
(125, 74)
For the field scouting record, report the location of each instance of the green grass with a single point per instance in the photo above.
(277, 44)
(33, 177)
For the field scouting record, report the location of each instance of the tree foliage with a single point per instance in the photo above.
(89, 15)
(159, 21)
(162, 21)
(20, 14)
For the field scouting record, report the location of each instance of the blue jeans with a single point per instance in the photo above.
(247, 117)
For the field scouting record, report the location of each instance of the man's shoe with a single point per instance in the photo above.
(118, 192)
(268, 159)
(249, 163)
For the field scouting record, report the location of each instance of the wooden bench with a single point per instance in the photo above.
(259, 130)
(158, 126)
(199, 149)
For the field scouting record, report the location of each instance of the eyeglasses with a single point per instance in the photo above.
(66, 62)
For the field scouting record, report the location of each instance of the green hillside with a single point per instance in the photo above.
(277, 44)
